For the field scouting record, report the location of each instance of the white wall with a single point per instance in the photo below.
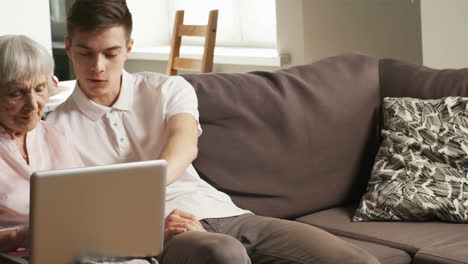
(445, 33)
(290, 29)
(27, 17)
(381, 28)
(155, 34)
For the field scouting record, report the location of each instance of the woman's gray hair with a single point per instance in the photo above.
(23, 59)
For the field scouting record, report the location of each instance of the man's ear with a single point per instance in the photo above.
(67, 45)
(129, 48)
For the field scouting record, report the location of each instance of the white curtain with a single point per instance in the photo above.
(241, 23)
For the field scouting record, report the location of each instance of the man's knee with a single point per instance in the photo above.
(223, 249)
(209, 248)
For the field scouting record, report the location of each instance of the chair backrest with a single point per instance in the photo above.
(204, 65)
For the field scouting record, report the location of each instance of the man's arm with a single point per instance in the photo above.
(181, 145)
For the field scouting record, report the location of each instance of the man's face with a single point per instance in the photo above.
(98, 59)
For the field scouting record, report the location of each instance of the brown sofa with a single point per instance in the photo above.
(299, 144)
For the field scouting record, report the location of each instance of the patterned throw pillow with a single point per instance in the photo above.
(420, 172)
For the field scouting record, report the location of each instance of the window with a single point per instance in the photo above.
(241, 23)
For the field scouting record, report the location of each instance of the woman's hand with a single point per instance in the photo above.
(14, 238)
(178, 222)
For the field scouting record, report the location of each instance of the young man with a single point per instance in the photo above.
(114, 117)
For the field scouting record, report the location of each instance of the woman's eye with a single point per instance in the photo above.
(85, 54)
(111, 55)
(40, 88)
(15, 94)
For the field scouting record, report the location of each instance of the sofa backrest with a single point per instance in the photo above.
(402, 79)
(290, 142)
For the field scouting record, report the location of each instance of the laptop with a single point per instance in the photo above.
(112, 211)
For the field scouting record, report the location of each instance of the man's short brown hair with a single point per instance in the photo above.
(95, 15)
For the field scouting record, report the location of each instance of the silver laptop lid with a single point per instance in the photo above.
(114, 211)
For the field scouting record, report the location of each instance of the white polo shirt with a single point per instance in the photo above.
(135, 129)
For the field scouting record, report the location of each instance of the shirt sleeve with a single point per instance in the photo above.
(14, 195)
(180, 97)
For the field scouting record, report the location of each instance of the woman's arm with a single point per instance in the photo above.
(13, 238)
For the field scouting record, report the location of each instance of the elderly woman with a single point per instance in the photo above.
(27, 143)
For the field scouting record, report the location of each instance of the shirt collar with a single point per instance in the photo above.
(125, 100)
(95, 111)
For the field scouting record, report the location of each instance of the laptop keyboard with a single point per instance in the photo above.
(25, 257)
(4, 260)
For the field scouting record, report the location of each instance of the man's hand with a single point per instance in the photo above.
(12, 239)
(178, 222)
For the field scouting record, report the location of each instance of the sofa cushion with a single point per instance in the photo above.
(386, 255)
(420, 169)
(454, 253)
(408, 236)
(272, 140)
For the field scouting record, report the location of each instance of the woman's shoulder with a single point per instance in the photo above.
(49, 129)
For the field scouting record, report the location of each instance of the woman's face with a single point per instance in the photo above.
(22, 104)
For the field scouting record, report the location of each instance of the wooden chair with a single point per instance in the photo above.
(204, 65)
